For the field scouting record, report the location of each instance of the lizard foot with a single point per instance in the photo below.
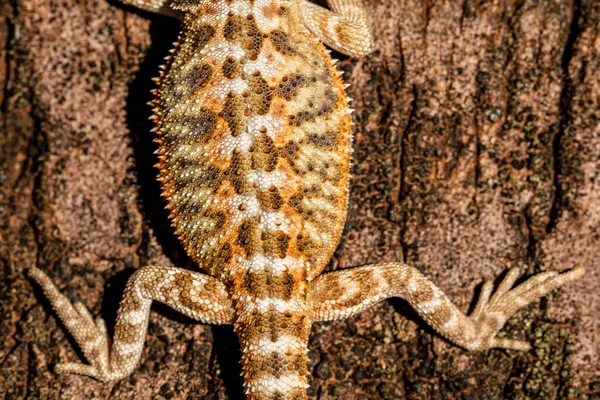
(91, 336)
(492, 311)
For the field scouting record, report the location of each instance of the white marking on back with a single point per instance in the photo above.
(271, 384)
(266, 346)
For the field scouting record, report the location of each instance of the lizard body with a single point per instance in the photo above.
(254, 134)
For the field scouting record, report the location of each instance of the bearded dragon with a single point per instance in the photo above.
(255, 133)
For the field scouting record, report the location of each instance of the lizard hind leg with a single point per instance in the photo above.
(196, 295)
(343, 293)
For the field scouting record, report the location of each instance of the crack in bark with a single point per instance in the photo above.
(566, 97)
(403, 147)
(11, 29)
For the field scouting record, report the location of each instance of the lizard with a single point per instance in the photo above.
(255, 139)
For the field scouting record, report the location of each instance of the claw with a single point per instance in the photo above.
(508, 281)
(75, 368)
(483, 300)
(503, 343)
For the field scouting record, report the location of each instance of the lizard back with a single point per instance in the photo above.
(255, 139)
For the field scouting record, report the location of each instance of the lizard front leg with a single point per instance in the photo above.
(343, 293)
(196, 295)
(346, 28)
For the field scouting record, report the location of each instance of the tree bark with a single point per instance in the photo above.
(477, 149)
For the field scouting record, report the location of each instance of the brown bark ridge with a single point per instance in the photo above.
(477, 148)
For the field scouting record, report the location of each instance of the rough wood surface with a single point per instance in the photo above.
(477, 148)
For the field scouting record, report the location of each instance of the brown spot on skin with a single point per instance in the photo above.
(290, 149)
(282, 43)
(283, 241)
(392, 280)
(222, 255)
(209, 9)
(287, 281)
(326, 107)
(341, 31)
(274, 330)
(261, 94)
(230, 68)
(327, 140)
(442, 315)
(247, 236)
(256, 100)
(202, 126)
(333, 287)
(318, 215)
(244, 31)
(250, 283)
(231, 115)
(128, 333)
(308, 247)
(198, 37)
(209, 178)
(265, 154)
(356, 299)
(296, 202)
(235, 173)
(288, 88)
(199, 76)
(422, 294)
(270, 200)
(328, 104)
(274, 243)
(233, 27)
(131, 304)
(301, 118)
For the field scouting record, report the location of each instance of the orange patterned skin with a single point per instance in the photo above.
(254, 136)
(254, 147)
(255, 140)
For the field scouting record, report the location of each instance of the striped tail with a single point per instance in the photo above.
(273, 327)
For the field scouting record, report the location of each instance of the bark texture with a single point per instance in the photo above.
(477, 148)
